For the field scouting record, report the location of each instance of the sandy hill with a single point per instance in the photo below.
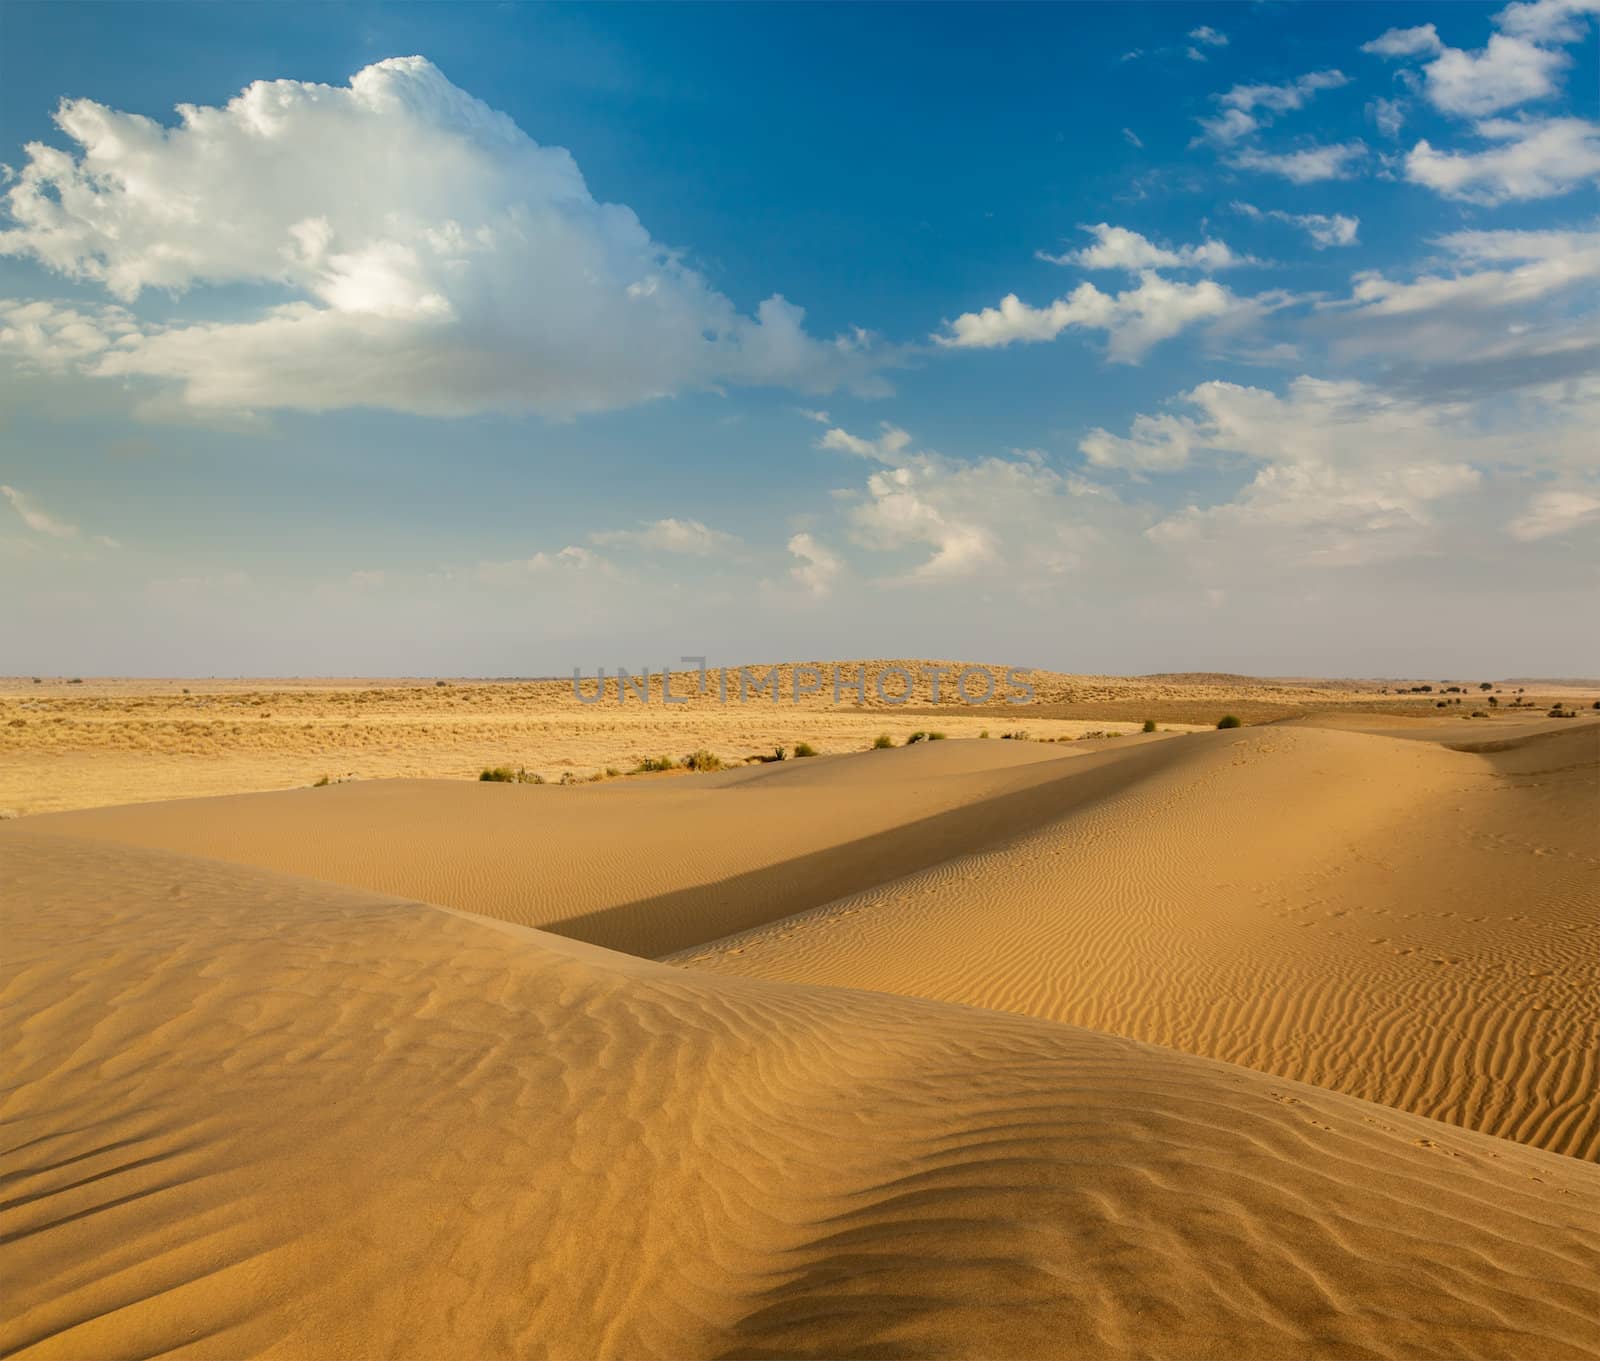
(1379, 915)
(258, 1115)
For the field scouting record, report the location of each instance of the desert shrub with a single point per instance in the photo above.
(882, 742)
(1149, 725)
(324, 781)
(702, 759)
(1495, 703)
(612, 772)
(936, 737)
(505, 775)
(804, 749)
(440, 685)
(651, 764)
(1229, 721)
(780, 753)
(918, 736)
(1485, 686)
(1596, 703)
(984, 733)
(1559, 712)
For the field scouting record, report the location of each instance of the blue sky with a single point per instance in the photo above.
(504, 339)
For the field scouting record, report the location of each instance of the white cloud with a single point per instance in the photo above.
(1228, 127)
(899, 514)
(1153, 443)
(432, 258)
(1388, 114)
(818, 568)
(690, 537)
(1324, 229)
(1508, 71)
(1120, 248)
(568, 562)
(1547, 21)
(1513, 309)
(978, 519)
(52, 336)
(1132, 138)
(1553, 513)
(1208, 36)
(1534, 159)
(1134, 320)
(36, 519)
(1308, 166)
(1293, 94)
(1543, 263)
(1246, 109)
(1519, 63)
(1423, 40)
(885, 448)
(1345, 474)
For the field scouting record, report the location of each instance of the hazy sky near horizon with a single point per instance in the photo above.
(503, 339)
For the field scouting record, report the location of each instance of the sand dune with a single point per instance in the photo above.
(644, 866)
(1384, 917)
(256, 1115)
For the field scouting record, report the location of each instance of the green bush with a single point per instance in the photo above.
(882, 741)
(1229, 721)
(1149, 725)
(703, 760)
(505, 775)
(804, 749)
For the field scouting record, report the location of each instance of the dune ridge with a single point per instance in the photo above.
(260, 1115)
(1382, 917)
(1375, 914)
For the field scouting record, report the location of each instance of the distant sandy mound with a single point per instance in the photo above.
(646, 866)
(253, 1115)
(1381, 916)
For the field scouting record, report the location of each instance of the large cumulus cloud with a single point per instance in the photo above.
(422, 253)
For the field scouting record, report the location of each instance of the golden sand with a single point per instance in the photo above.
(1266, 1042)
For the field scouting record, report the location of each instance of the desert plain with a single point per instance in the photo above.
(1085, 1028)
